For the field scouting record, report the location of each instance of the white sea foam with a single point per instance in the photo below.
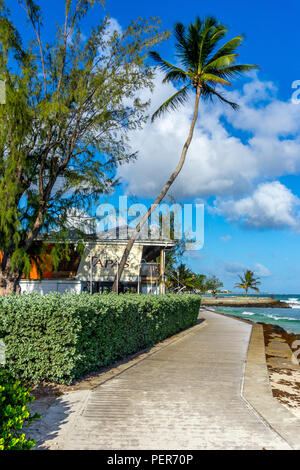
(280, 318)
(293, 303)
(248, 313)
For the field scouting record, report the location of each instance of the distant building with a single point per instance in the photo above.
(95, 270)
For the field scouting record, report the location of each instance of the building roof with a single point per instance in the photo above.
(116, 235)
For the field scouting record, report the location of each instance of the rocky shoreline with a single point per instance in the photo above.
(243, 302)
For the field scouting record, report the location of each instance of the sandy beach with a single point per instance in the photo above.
(284, 374)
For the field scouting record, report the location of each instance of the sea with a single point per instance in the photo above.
(287, 318)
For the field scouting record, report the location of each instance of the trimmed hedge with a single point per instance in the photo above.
(14, 413)
(59, 338)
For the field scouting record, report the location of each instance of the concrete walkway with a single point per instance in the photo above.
(186, 396)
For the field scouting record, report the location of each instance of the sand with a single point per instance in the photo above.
(283, 367)
(286, 388)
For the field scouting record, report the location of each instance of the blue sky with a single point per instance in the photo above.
(245, 166)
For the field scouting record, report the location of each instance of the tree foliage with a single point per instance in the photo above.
(213, 284)
(70, 102)
(180, 278)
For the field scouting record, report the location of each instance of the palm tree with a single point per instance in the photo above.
(203, 69)
(180, 278)
(248, 282)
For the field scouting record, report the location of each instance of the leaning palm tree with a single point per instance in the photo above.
(248, 281)
(204, 69)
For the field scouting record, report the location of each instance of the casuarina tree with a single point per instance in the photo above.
(71, 97)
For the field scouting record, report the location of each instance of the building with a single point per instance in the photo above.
(94, 270)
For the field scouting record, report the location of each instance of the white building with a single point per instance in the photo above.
(95, 270)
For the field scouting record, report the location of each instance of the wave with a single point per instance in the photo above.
(293, 302)
(262, 315)
(288, 319)
(285, 318)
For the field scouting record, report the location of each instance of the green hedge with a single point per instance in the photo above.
(14, 413)
(59, 338)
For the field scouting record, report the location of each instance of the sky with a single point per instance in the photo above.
(244, 166)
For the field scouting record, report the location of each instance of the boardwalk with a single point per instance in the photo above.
(186, 396)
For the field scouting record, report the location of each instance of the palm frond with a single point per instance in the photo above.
(176, 75)
(219, 33)
(186, 50)
(173, 74)
(196, 36)
(234, 70)
(229, 48)
(190, 42)
(173, 102)
(163, 64)
(179, 33)
(209, 92)
(211, 33)
(241, 286)
(223, 61)
(212, 78)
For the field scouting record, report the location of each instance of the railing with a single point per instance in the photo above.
(149, 269)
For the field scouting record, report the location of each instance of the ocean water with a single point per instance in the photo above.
(287, 318)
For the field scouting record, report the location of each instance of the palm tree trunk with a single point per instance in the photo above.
(161, 195)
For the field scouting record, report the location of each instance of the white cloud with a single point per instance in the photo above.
(271, 205)
(113, 26)
(221, 162)
(235, 269)
(261, 270)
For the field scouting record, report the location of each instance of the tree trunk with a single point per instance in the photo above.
(160, 197)
(9, 283)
